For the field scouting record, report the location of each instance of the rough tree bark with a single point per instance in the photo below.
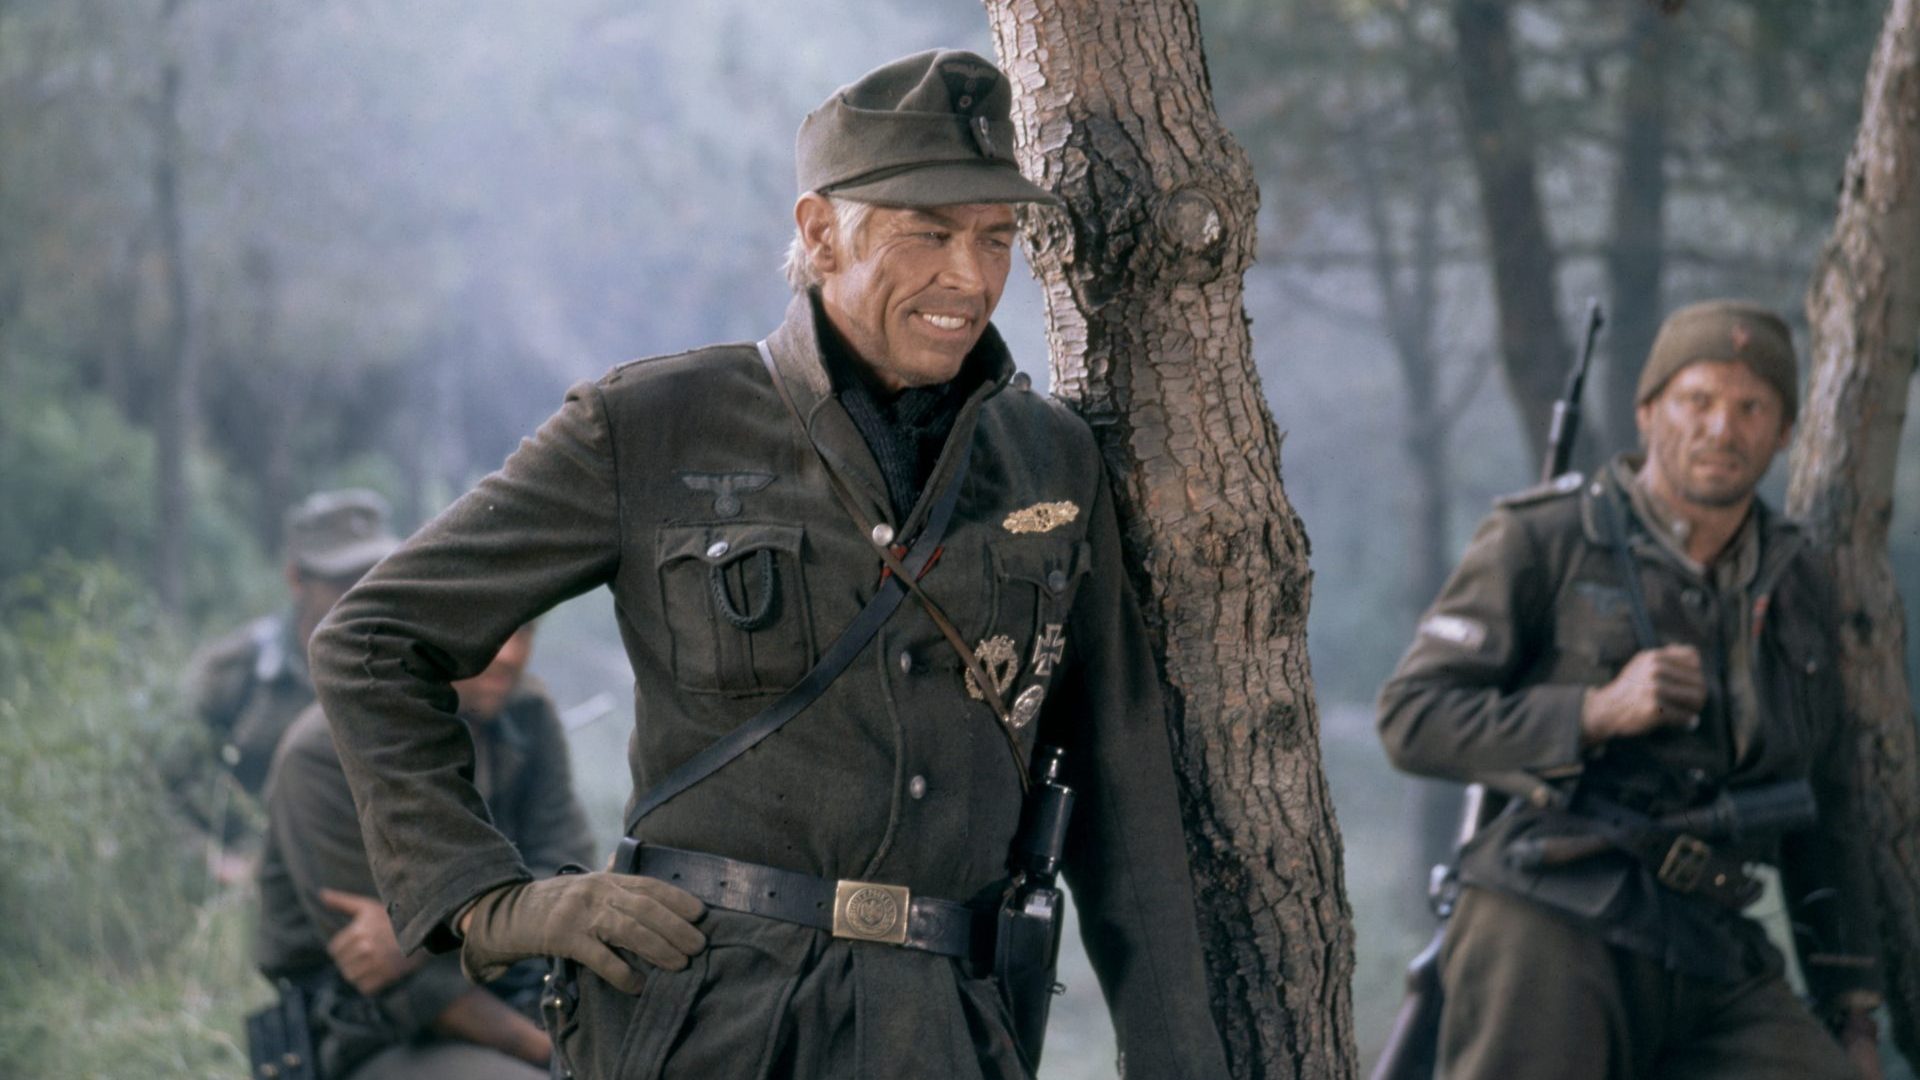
(1636, 255)
(1533, 348)
(1143, 283)
(1864, 310)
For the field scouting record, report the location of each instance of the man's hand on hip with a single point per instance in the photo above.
(365, 950)
(602, 920)
(1663, 687)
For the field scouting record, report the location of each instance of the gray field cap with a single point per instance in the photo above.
(931, 129)
(339, 534)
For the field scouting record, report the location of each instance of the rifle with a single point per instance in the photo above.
(1412, 1049)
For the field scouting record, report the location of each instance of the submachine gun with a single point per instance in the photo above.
(1412, 1047)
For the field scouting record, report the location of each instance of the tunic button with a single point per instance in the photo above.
(906, 661)
(1694, 598)
(230, 754)
(718, 549)
(1057, 580)
(883, 534)
(917, 787)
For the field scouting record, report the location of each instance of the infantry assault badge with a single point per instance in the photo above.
(1000, 660)
(1041, 517)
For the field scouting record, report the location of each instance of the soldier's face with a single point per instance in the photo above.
(1712, 431)
(483, 696)
(913, 293)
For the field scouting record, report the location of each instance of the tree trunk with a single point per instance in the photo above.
(174, 420)
(1864, 310)
(1634, 260)
(1143, 283)
(1533, 348)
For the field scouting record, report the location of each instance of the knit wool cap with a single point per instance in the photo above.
(1723, 330)
(932, 129)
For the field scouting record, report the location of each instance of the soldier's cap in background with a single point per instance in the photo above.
(1723, 330)
(339, 534)
(931, 129)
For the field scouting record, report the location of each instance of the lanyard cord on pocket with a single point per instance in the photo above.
(988, 688)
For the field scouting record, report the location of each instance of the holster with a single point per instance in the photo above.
(1026, 952)
(279, 1040)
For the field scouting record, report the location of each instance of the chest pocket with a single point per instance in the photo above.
(1799, 691)
(1593, 630)
(735, 600)
(1035, 581)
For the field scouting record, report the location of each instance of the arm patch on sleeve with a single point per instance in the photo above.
(1466, 633)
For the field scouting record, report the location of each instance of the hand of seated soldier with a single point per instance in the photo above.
(365, 950)
(1662, 687)
(600, 919)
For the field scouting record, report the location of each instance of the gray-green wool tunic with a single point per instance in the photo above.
(895, 774)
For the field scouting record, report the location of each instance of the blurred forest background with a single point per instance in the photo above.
(248, 251)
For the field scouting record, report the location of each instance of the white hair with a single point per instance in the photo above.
(849, 223)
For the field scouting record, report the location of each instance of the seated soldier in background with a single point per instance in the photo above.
(248, 686)
(374, 1011)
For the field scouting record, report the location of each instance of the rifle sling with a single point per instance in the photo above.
(1608, 504)
(832, 662)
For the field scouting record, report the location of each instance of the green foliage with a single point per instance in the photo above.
(123, 959)
(77, 479)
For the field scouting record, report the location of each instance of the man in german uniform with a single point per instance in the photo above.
(248, 686)
(721, 517)
(1631, 957)
(375, 1012)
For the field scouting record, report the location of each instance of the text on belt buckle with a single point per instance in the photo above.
(869, 911)
(1685, 863)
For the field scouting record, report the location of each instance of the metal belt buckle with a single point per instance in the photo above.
(870, 911)
(1685, 863)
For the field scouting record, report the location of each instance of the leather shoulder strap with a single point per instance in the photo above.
(832, 662)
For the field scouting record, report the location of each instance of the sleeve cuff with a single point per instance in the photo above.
(416, 1001)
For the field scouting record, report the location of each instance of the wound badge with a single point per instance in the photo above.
(1048, 649)
(1025, 707)
(726, 488)
(1001, 661)
(1041, 517)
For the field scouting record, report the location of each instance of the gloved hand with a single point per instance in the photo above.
(586, 917)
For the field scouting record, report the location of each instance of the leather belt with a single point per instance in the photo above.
(851, 910)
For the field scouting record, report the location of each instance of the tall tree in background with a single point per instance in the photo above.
(1533, 347)
(1143, 277)
(176, 417)
(1636, 250)
(1864, 309)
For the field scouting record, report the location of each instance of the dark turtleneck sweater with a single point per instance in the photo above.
(904, 430)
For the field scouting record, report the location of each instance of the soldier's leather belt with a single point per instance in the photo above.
(853, 910)
(1690, 865)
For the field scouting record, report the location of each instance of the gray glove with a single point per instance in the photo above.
(585, 917)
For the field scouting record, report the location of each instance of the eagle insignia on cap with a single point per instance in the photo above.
(1041, 517)
(1741, 335)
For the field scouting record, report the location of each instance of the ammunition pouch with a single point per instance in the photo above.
(280, 1040)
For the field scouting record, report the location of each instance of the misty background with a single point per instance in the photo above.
(249, 251)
